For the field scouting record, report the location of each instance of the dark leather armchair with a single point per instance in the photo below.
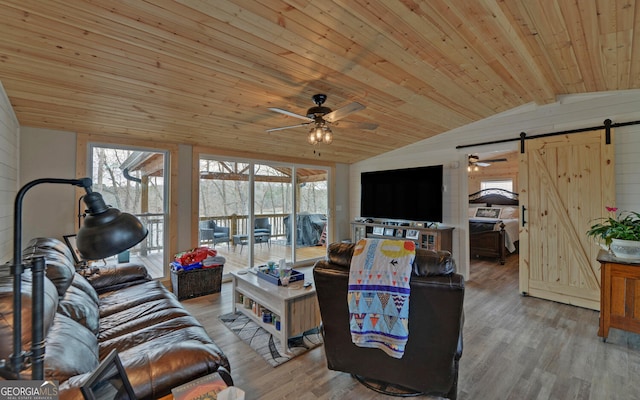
(430, 361)
(212, 233)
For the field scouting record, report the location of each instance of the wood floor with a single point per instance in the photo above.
(514, 348)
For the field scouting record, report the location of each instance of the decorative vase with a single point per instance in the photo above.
(625, 249)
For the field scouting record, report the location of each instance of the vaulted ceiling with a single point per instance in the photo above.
(206, 71)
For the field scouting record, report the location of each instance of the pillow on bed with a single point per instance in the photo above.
(509, 213)
(487, 212)
(473, 207)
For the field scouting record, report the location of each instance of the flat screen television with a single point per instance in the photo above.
(413, 194)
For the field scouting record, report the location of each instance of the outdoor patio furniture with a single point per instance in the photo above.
(244, 239)
(211, 232)
(262, 230)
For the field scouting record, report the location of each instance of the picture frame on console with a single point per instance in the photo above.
(412, 234)
(389, 232)
(378, 230)
(399, 233)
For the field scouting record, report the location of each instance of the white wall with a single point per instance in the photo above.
(569, 112)
(49, 210)
(342, 229)
(9, 160)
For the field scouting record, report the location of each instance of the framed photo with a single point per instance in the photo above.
(486, 212)
(412, 234)
(378, 230)
(399, 233)
(389, 231)
(70, 240)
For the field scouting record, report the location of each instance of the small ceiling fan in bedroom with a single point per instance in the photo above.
(320, 118)
(475, 162)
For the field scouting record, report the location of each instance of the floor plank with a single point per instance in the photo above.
(515, 347)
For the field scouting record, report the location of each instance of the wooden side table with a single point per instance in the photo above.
(619, 294)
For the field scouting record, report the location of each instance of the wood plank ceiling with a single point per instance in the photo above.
(206, 71)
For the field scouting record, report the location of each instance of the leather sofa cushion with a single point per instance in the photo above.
(114, 277)
(71, 350)
(80, 306)
(154, 368)
(433, 263)
(426, 263)
(60, 267)
(132, 296)
(83, 284)
(6, 311)
(139, 317)
(340, 254)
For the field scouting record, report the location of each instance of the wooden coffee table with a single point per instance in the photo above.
(296, 306)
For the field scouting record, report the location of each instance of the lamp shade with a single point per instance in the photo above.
(106, 230)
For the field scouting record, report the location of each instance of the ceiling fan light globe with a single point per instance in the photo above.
(328, 137)
(312, 137)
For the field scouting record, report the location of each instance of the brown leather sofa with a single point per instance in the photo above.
(430, 361)
(160, 344)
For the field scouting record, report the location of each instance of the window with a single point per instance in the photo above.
(134, 181)
(506, 184)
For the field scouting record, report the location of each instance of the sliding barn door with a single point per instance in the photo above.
(565, 182)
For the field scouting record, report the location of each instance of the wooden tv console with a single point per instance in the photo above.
(440, 238)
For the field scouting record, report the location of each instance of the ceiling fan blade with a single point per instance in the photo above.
(342, 112)
(357, 125)
(481, 164)
(286, 127)
(291, 114)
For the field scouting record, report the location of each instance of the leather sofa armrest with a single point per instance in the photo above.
(117, 276)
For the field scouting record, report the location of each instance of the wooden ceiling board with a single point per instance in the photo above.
(205, 72)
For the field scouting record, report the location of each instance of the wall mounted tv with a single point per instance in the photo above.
(413, 194)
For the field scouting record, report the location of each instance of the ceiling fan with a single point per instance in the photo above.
(320, 118)
(475, 162)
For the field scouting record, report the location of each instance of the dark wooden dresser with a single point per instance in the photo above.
(619, 294)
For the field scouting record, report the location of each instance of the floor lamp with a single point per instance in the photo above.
(106, 232)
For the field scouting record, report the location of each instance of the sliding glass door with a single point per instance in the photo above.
(312, 199)
(224, 210)
(284, 205)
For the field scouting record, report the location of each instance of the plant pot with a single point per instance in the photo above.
(625, 249)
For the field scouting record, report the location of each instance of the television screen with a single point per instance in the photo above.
(413, 194)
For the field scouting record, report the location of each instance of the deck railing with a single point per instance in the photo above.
(155, 239)
(237, 224)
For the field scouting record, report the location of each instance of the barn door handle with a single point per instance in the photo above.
(524, 221)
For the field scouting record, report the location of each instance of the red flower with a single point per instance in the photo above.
(611, 209)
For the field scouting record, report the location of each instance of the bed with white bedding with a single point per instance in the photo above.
(493, 223)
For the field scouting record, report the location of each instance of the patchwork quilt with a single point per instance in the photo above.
(378, 294)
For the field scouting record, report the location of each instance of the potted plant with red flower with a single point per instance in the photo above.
(620, 232)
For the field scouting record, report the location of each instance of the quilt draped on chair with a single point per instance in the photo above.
(378, 294)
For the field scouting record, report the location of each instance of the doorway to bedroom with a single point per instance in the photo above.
(493, 208)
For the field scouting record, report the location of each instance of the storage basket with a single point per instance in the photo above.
(196, 282)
